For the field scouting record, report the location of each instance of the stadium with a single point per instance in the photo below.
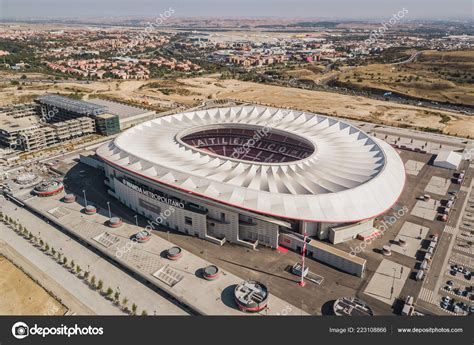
(249, 174)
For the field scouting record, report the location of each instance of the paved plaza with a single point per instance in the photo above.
(410, 232)
(181, 279)
(426, 209)
(389, 274)
(413, 167)
(438, 185)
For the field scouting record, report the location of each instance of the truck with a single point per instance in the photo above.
(408, 307)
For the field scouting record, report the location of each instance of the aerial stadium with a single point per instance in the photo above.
(248, 174)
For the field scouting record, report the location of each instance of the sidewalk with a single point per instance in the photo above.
(136, 292)
(207, 298)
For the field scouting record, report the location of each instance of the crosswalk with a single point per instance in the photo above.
(428, 295)
(450, 230)
(464, 250)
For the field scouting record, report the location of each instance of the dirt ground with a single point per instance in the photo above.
(437, 76)
(185, 93)
(20, 295)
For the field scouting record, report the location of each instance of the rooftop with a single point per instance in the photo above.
(123, 111)
(77, 106)
(344, 175)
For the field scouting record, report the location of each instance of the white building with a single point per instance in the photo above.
(448, 159)
(248, 174)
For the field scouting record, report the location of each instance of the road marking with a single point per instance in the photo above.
(427, 295)
(450, 230)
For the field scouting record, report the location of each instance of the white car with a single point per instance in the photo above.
(446, 299)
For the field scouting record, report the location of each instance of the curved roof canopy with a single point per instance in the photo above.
(343, 175)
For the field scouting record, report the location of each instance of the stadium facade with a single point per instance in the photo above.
(249, 174)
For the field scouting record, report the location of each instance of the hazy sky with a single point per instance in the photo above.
(322, 9)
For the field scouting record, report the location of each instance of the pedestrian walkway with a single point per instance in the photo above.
(427, 295)
(450, 230)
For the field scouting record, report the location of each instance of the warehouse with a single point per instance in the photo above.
(448, 160)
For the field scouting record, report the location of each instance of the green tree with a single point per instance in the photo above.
(144, 313)
(134, 309)
(100, 284)
(109, 292)
(116, 296)
(125, 303)
(93, 281)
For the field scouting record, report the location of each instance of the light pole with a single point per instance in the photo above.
(108, 206)
(393, 283)
(136, 219)
(85, 198)
(303, 252)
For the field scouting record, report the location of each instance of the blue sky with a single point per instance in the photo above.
(327, 9)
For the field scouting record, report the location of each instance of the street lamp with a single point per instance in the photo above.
(85, 198)
(136, 219)
(393, 283)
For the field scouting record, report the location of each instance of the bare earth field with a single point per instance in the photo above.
(167, 94)
(20, 295)
(437, 76)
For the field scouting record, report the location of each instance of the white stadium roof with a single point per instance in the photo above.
(295, 165)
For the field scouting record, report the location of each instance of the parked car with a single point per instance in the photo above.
(450, 282)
